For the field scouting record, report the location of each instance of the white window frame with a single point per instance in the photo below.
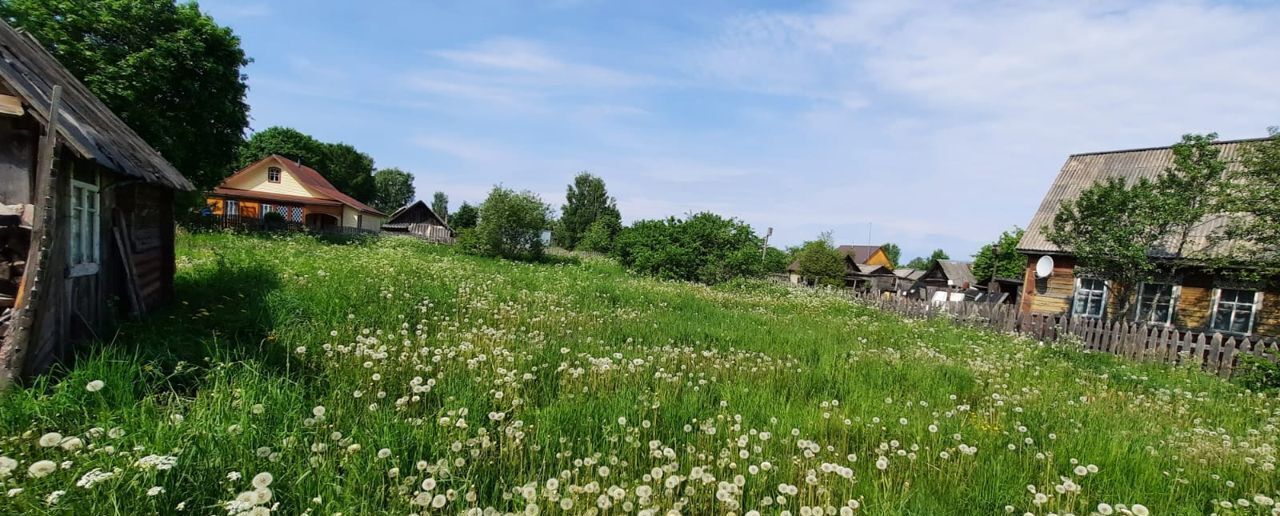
(1253, 314)
(277, 171)
(1075, 299)
(85, 252)
(1175, 294)
(231, 208)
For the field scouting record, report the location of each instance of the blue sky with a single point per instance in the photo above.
(926, 124)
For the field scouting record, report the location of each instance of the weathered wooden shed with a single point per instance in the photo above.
(86, 212)
(418, 219)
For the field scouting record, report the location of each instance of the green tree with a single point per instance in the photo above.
(393, 188)
(892, 251)
(586, 201)
(818, 260)
(168, 70)
(440, 205)
(348, 169)
(776, 260)
(1252, 197)
(1000, 259)
(703, 247)
(920, 263)
(600, 235)
(1127, 233)
(465, 218)
(510, 226)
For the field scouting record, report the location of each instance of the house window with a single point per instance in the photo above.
(233, 207)
(1091, 297)
(273, 175)
(1234, 310)
(1157, 303)
(86, 229)
(266, 208)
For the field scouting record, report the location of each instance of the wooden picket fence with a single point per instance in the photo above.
(1215, 353)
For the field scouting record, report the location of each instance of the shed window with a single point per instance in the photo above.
(1157, 303)
(1234, 310)
(86, 229)
(273, 175)
(1090, 298)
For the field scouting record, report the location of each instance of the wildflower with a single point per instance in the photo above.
(1105, 509)
(95, 386)
(50, 439)
(14, 492)
(318, 411)
(156, 491)
(93, 477)
(72, 443)
(41, 468)
(1081, 471)
(384, 453)
(882, 463)
(53, 497)
(262, 480)
(1141, 510)
(7, 466)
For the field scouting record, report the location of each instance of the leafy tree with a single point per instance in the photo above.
(349, 170)
(393, 188)
(510, 226)
(168, 70)
(465, 217)
(704, 247)
(1000, 259)
(600, 235)
(776, 260)
(586, 201)
(1126, 233)
(818, 260)
(892, 251)
(440, 205)
(920, 263)
(1253, 197)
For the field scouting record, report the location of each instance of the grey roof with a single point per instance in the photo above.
(910, 274)
(868, 270)
(1083, 170)
(395, 220)
(84, 122)
(958, 272)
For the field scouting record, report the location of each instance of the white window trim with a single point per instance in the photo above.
(226, 207)
(1106, 295)
(1253, 315)
(1175, 296)
(278, 172)
(91, 231)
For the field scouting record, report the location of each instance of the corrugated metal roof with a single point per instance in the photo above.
(84, 122)
(1083, 170)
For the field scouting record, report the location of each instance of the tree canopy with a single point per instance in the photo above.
(920, 263)
(440, 205)
(587, 201)
(510, 226)
(348, 169)
(819, 261)
(1255, 199)
(393, 188)
(703, 247)
(465, 218)
(168, 70)
(1000, 259)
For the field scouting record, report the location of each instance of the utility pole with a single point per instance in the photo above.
(764, 248)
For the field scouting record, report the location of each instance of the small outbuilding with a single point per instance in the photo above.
(86, 212)
(418, 219)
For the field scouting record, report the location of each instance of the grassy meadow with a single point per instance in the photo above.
(300, 376)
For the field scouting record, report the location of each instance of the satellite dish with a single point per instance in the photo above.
(1044, 267)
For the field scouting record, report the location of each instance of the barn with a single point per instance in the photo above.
(418, 219)
(86, 212)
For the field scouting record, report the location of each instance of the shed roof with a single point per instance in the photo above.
(859, 253)
(403, 212)
(84, 122)
(960, 273)
(1083, 170)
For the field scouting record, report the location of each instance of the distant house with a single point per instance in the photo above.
(1195, 299)
(298, 193)
(905, 278)
(867, 267)
(102, 206)
(945, 280)
(418, 219)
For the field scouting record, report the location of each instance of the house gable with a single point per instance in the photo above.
(254, 179)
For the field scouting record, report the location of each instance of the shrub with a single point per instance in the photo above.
(510, 226)
(600, 235)
(819, 261)
(704, 247)
(1257, 374)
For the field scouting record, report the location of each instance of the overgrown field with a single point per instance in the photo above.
(392, 376)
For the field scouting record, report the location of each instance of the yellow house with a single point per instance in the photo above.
(297, 192)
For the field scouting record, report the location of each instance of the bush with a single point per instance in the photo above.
(1257, 374)
(510, 226)
(704, 247)
(600, 235)
(819, 261)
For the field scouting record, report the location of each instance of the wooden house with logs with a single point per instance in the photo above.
(1191, 299)
(86, 212)
(418, 219)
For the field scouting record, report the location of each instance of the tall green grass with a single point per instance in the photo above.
(387, 375)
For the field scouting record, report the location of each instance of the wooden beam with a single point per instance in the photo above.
(37, 277)
(11, 105)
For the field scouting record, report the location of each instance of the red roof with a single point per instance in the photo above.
(312, 179)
